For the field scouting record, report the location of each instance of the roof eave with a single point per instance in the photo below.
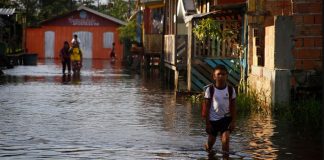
(217, 9)
(7, 11)
(102, 15)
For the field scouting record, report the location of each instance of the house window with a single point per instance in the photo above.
(259, 44)
(157, 21)
(108, 39)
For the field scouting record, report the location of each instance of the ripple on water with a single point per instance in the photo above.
(111, 113)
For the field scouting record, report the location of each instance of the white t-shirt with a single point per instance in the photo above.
(78, 40)
(220, 103)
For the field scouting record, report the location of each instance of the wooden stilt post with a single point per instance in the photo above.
(189, 55)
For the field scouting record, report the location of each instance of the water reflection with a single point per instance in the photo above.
(259, 130)
(66, 78)
(109, 112)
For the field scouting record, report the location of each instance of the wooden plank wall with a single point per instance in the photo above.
(152, 43)
(214, 48)
(169, 49)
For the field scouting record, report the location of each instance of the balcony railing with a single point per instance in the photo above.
(150, 1)
(153, 43)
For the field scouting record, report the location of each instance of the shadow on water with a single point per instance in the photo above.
(110, 112)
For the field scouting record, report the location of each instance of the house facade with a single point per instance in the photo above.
(95, 30)
(176, 41)
(204, 55)
(152, 26)
(282, 40)
(284, 49)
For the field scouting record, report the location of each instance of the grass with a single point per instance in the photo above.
(252, 102)
(307, 112)
(195, 98)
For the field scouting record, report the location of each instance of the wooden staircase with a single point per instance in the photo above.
(181, 58)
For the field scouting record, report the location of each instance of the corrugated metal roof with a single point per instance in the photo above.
(218, 9)
(91, 11)
(7, 11)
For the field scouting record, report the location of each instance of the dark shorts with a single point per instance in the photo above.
(221, 125)
(76, 65)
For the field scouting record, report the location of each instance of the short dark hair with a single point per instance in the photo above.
(221, 67)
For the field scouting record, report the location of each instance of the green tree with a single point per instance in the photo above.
(29, 9)
(89, 3)
(209, 28)
(117, 8)
(8, 4)
(52, 8)
(128, 32)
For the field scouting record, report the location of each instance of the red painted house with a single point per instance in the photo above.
(95, 30)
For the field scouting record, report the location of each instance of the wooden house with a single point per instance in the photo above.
(152, 23)
(152, 29)
(95, 30)
(189, 62)
(176, 41)
(281, 40)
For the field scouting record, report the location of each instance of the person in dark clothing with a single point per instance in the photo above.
(112, 53)
(65, 57)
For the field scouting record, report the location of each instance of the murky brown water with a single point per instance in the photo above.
(110, 112)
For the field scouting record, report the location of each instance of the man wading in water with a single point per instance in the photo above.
(219, 112)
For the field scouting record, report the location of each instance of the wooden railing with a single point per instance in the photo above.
(150, 1)
(212, 52)
(153, 43)
(214, 48)
(169, 49)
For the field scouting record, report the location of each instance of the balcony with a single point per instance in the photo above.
(151, 1)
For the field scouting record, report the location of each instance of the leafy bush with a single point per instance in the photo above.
(127, 32)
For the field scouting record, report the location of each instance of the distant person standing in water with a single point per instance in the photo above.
(76, 58)
(112, 53)
(65, 57)
(75, 39)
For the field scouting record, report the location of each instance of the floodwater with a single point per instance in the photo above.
(110, 112)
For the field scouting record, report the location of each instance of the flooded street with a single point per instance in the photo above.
(110, 112)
